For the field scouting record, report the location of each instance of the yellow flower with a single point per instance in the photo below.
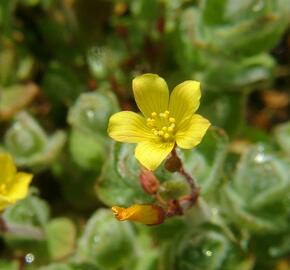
(13, 184)
(165, 120)
(149, 214)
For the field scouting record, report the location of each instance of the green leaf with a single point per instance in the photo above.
(261, 25)
(213, 11)
(87, 151)
(256, 199)
(7, 58)
(68, 266)
(57, 266)
(207, 248)
(119, 181)
(147, 254)
(174, 189)
(105, 241)
(61, 84)
(282, 136)
(31, 212)
(15, 98)
(61, 237)
(30, 145)
(26, 221)
(8, 265)
(206, 161)
(92, 111)
(236, 74)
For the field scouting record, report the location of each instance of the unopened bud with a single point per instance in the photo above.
(148, 181)
(148, 214)
(173, 163)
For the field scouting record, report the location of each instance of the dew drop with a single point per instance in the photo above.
(207, 253)
(96, 239)
(214, 211)
(90, 114)
(29, 258)
(258, 6)
(261, 158)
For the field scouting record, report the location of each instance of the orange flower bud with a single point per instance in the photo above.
(149, 214)
(148, 181)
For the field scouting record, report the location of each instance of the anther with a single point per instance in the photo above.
(161, 115)
(172, 120)
(166, 136)
(160, 133)
(164, 128)
(154, 114)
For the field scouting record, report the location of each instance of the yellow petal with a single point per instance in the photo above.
(150, 154)
(7, 168)
(5, 202)
(128, 127)
(191, 133)
(151, 94)
(18, 189)
(149, 214)
(184, 100)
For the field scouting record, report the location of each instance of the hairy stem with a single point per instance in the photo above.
(194, 190)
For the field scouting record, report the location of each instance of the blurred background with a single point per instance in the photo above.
(67, 65)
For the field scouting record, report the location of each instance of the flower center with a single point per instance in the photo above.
(162, 125)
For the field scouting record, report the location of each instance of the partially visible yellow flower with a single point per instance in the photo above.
(149, 214)
(165, 120)
(13, 184)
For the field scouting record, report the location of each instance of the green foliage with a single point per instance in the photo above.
(91, 112)
(105, 238)
(206, 162)
(118, 183)
(282, 135)
(257, 197)
(30, 145)
(210, 249)
(61, 234)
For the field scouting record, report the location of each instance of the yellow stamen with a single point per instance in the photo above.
(172, 120)
(154, 114)
(166, 136)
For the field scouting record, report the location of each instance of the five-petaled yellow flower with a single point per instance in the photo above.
(13, 184)
(166, 120)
